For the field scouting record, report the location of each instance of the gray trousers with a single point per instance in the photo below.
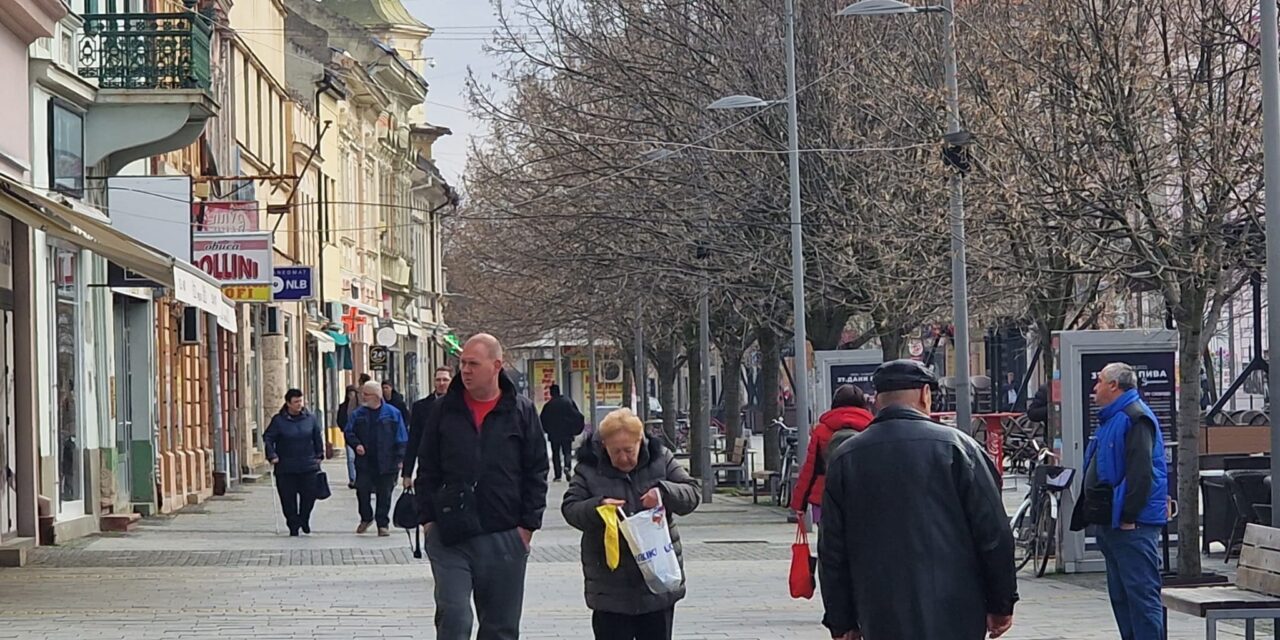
(491, 568)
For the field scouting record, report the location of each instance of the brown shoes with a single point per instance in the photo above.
(383, 532)
(364, 526)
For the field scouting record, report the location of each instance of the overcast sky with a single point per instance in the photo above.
(461, 28)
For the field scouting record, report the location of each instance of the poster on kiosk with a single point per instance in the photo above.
(846, 366)
(1079, 356)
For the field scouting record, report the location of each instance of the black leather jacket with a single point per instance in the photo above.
(915, 542)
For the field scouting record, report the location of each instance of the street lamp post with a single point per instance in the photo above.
(956, 137)
(1271, 169)
(801, 377)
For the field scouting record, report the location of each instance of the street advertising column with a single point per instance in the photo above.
(836, 368)
(1079, 356)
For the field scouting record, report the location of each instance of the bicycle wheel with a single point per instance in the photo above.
(1023, 536)
(784, 483)
(1046, 528)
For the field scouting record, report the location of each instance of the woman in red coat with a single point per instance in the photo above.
(849, 410)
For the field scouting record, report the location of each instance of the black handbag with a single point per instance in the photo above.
(457, 515)
(321, 486)
(405, 516)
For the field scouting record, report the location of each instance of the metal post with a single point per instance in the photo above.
(592, 340)
(641, 371)
(559, 364)
(1271, 162)
(959, 276)
(801, 386)
(704, 349)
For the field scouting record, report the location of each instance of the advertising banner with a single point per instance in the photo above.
(1155, 382)
(235, 258)
(542, 374)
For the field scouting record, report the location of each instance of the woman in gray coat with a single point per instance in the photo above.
(620, 466)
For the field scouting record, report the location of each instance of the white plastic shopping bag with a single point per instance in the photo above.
(650, 540)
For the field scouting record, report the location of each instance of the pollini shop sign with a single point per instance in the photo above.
(240, 261)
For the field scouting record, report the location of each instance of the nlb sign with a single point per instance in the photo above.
(240, 261)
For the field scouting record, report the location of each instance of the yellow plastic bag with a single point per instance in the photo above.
(612, 554)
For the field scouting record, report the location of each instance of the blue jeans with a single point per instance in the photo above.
(1133, 580)
(351, 465)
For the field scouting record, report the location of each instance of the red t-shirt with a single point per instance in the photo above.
(480, 410)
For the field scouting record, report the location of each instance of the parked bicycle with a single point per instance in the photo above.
(1035, 523)
(788, 442)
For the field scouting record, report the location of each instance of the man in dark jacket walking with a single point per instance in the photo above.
(929, 492)
(395, 399)
(418, 421)
(482, 490)
(295, 447)
(562, 422)
(377, 433)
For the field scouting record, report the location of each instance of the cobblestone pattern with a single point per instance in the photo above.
(72, 558)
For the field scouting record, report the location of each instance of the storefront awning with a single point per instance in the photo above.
(339, 339)
(81, 226)
(84, 227)
(324, 343)
(196, 288)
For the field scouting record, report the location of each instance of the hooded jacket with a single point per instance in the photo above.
(814, 474)
(505, 458)
(623, 590)
(296, 441)
(910, 488)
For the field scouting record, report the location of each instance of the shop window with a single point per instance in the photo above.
(66, 149)
(67, 319)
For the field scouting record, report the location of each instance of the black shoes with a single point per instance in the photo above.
(306, 528)
(293, 533)
(351, 485)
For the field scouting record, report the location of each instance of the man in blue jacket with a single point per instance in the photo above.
(377, 433)
(1126, 497)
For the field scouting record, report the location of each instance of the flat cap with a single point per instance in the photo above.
(903, 374)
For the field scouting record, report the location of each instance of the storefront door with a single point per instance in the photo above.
(124, 405)
(68, 310)
(8, 457)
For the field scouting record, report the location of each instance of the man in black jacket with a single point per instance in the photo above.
(421, 410)
(562, 422)
(482, 490)
(396, 399)
(927, 492)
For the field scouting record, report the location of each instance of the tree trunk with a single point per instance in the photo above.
(892, 343)
(1190, 327)
(664, 362)
(770, 407)
(731, 385)
(825, 325)
(697, 426)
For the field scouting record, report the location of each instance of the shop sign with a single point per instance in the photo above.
(248, 292)
(235, 258)
(229, 216)
(378, 357)
(579, 364)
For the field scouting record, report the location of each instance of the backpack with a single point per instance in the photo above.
(405, 516)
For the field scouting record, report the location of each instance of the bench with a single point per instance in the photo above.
(1255, 595)
(735, 465)
(769, 479)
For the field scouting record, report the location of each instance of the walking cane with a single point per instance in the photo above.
(278, 515)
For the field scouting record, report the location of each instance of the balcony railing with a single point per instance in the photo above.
(146, 51)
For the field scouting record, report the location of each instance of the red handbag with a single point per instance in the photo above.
(802, 579)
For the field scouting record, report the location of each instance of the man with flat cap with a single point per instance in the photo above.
(914, 541)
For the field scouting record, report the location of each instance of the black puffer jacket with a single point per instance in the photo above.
(505, 459)
(296, 441)
(908, 487)
(623, 591)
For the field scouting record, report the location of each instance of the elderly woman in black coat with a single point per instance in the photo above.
(295, 447)
(621, 466)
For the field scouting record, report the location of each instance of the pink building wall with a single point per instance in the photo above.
(15, 106)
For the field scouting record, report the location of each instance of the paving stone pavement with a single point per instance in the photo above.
(221, 570)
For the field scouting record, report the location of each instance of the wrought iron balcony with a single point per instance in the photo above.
(146, 51)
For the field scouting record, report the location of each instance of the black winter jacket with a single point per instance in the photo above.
(417, 424)
(505, 458)
(296, 440)
(561, 419)
(910, 488)
(623, 591)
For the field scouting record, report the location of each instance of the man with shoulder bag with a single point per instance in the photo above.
(482, 490)
(1126, 498)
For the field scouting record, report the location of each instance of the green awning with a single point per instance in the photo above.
(339, 338)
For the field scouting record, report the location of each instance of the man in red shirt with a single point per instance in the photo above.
(482, 490)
